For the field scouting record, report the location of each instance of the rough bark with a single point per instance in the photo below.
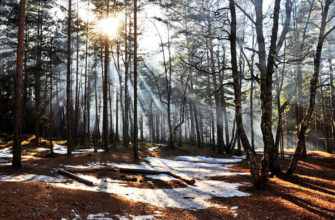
(266, 67)
(135, 84)
(18, 88)
(68, 83)
(104, 92)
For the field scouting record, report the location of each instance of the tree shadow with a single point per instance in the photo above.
(321, 211)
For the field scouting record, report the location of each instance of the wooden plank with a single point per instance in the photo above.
(75, 177)
(90, 170)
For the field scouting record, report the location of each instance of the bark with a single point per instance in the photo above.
(18, 88)
(50, 102)
(75, 177)
(104, 93)
(68, 84)
(126, 105)
(135, 84)
(85, 107)
(76, 108)
(219, 121)
(37, 76)
(266, 67)
(332, 102)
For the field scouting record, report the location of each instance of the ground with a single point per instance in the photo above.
(308, 194)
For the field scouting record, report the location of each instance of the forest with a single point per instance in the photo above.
(167, 109)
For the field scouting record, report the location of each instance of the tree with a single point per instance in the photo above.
(104, 93)
(135, 84)
(313, 86)
(18, 88)
(69, 83)
(251, 155)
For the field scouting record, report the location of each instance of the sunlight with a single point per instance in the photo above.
(110, 26)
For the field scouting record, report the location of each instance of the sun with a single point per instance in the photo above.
(109, 26)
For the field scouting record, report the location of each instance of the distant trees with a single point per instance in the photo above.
(215, 69)
(313, 84)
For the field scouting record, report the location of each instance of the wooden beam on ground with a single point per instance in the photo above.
(90, 170)
(156, 172)
(75, 177)
(130, 170)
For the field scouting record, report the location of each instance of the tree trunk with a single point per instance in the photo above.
(332, 102)
(18, 88)
(266, 71)
(126, 106)
(104, 93)
(69, 84)
(135, 84)
(50, 102)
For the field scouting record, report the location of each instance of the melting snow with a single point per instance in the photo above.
(97, 216)
(152, 148)
(163, 177)
(208, 159)
(191, 197)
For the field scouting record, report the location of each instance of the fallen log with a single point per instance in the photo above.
(188, 181)
(89, 170)
(75, 177)
(133, 171)
(156, 172)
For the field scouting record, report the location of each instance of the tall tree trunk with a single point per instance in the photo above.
(18, 88)
(68, 83)
(85, 107)
(126, 105)
(332, 102)
(219, 121)
(76, 111)
(38, 77)
(266, 67)
(50, 102)
(104, 93)
(135, 84)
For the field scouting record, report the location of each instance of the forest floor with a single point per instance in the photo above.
(37, 192)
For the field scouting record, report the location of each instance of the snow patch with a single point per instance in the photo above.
(163, 177)
(152, 148)
(135, 217)
(98, 216)
(192, 197)
(208, 159)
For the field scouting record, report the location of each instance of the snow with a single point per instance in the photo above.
(152, 148)
(208, 159)
(163, 177)
(191, 197)
(134, 217)
(97, 216)
(33, 177)
(5, 153)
